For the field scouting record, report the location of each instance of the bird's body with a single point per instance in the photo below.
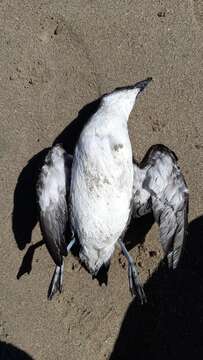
(101, 190)
(101, 186)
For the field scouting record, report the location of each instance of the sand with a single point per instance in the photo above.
(56, 57)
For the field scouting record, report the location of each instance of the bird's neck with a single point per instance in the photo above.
(110, 120)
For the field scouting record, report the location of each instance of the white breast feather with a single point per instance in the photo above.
(101, 191)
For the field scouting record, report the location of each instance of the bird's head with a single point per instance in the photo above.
(122, 100)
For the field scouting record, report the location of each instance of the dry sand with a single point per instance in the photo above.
(56, 57)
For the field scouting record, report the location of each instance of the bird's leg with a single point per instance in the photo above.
(134, 282)
(70, 245)
(57, 279)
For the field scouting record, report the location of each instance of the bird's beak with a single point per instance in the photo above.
(139, 85)
(142, 84)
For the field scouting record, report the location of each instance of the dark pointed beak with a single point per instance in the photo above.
(142, 84)
(139, 85)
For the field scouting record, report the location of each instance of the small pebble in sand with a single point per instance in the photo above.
(161, 14)
(152, 253)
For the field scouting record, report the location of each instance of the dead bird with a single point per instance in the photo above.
(101, 189)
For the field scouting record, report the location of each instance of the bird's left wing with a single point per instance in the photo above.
(52, 192)
(159, 186)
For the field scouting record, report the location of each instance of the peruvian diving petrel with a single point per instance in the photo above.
(98, 190)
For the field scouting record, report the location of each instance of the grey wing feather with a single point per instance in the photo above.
(167, 198)
(53, 226)
(173, 226)
(52, 192)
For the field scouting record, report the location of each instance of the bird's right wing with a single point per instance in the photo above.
(164, 192)
(52, 192)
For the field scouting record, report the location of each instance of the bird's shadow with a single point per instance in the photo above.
(24, 216)
(11, 352)
(170, 325)
(26, 264)
(137, 230)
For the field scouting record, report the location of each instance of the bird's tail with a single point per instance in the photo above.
(56, 281)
